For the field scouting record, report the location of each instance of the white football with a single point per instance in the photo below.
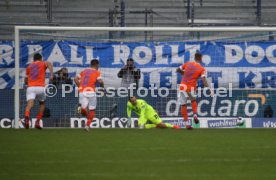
(240, 121)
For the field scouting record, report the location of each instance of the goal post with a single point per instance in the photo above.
(170, 30)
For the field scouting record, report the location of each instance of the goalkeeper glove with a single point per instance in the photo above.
(141, 126)
(129, 123)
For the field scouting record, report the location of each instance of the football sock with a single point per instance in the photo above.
(83, 112)
(184, 112)
(39, 116)
(27, 113)
(90, 117)
(194, 106)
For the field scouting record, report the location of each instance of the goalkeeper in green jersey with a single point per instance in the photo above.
(146, 113)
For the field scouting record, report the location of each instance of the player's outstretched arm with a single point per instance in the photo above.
(101, 89)
(121, 72)
(50, 67)
(178, 70)
(77, 81)
(100, 81)
(128, 115)
(206, 84)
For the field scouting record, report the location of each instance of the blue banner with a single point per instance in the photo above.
(245, 64)
(146, 55)
(263, 122)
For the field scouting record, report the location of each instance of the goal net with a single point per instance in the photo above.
(239, 63)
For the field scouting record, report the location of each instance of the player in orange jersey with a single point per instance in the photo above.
(35, 80)
(86, 82)
(191, 72)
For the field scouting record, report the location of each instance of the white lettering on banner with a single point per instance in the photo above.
(166, 54)
(254, 54)
(110, 92)
(255, 105)
(200, 104)
(6, 121)
(254, 59)
(269, 124)
(9, 123)
(66, 89)
(213, 113)
(234, 53)
(223, 123)
(223, 91)
(174, 111)
(102, 123)
(236, 106)
(152, 88)
(116, 121)
(206, 59)
(121, 53)
(225, 110)
(192, 49)
(123, 121)
(77, 121)
(95, 123)
(205, 122)
(32, 49)
(269, 53)
(142, 92)
(161, 90)
(231, 57)
(57, 55)
(89, 54)
(176, 59)
(6, 52)
(122, 92)
(74, 55)
(221, 108)
(160, 59)
(142, 55)
(23, 126)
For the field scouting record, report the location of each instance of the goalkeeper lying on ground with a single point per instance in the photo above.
(146, 113)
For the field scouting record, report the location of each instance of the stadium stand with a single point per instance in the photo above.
(137, 13)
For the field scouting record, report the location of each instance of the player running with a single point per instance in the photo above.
(35, 80)
(191, 72)
(146, 113)
(86, 82)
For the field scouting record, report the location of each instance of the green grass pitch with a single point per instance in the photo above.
(215, 154)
